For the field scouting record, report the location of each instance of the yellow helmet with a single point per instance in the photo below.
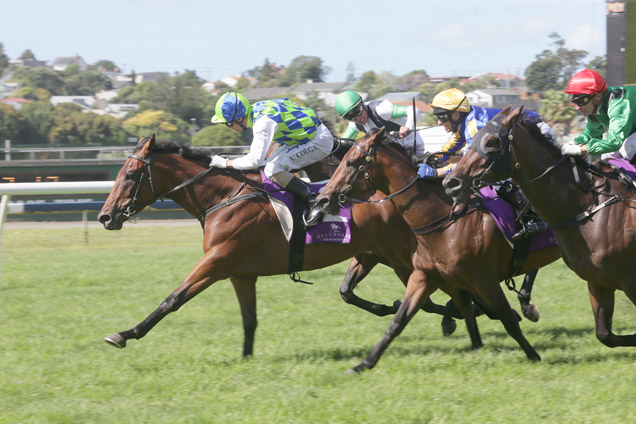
(451, 99)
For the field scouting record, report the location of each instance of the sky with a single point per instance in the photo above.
(221, 38)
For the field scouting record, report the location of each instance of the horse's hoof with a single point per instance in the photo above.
(531, 312)
(448, 327)
(351, 371)
(396, 306)
(116, 340)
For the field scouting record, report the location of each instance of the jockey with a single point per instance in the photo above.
(363, 117)
(608, 109)
(454, 112)
(303, 139)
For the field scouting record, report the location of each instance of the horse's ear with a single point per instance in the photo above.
(149, 146)
(381, 132)
(511, 117)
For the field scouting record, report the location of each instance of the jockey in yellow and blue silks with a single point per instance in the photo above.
(454, 112)
(457, 116)
(303, 138)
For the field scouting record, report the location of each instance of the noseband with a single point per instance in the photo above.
(493, 158)
(132, 208)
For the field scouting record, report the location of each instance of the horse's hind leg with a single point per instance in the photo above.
(529, 310)
(494, 296)
(602, 300)
(245, 289)
(199, 279)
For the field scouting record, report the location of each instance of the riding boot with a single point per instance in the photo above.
(306, 193)
(531, 223)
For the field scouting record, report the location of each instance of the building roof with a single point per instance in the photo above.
(254, 94)
(318, 86)
(14, 100)
(401, 96)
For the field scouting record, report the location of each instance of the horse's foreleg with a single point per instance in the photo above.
(245, 289)
(359, 267)
(200, 278)
(602, 300)
(493, 295)
(529, 310)
(418, 290)
(462, 300)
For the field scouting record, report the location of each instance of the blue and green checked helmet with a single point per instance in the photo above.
(230, 107)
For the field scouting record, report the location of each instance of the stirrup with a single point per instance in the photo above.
(313, 217)
(532, 227)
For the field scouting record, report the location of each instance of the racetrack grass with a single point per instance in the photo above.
(61, 298)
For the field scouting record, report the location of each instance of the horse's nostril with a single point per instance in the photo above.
(103, 218)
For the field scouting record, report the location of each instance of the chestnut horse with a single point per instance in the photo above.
(242, 235)
(463, 250)
(590, 208)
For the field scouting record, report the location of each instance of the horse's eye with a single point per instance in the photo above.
(130, 175)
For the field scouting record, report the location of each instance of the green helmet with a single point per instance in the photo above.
(230, 107)
(346, 102)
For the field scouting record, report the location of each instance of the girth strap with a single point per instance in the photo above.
(228, 202)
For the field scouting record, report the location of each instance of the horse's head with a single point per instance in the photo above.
(133, 190)
(361, 171)
(488, 159)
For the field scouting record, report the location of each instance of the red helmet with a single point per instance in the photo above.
(586, 82)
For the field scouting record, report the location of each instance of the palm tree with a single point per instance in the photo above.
(557, 111)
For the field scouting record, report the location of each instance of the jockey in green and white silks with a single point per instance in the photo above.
(364, 117)
(303, 138)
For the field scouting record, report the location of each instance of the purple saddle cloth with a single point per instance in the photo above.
(504, 215)
(332, 229)
(625, 165)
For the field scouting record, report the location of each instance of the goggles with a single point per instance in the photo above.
(580, 100)
(350, 116)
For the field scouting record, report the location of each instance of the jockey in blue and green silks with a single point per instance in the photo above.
(303, 138)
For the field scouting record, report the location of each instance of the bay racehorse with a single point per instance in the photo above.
(591, 208)
(458, 249)
(242, 236)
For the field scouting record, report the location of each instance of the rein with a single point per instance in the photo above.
(132, 209)
(507, 149)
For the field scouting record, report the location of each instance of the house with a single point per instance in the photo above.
(504, 80)
(406, 99)
(116, 110)
(150, 76)
(15, 102)
(495, 98)
(255, 94)
(61, 63)
(31, 63)
(85, 102)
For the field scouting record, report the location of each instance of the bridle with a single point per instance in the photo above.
(133, 209)
(369, 157)
(504, 153)
(507, 150)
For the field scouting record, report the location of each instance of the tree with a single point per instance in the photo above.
(41, 77)
(38, 117)
(303, 68)
(11, 123)
(86, 83)
(598, 64)
(4, 60)
(105, 66)
(414, 79)
(553, 69)
(27, 54)
(557, 111)
(217, 135)
(165, 125)
(351, 73)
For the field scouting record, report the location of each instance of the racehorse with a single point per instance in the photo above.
(242, 236)
(459, 249)
(589, 207)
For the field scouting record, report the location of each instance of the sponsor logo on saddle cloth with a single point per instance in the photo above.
(504, 215)
(332, 229)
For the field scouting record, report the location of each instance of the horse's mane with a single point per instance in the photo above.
(390, 142)
(193, 154)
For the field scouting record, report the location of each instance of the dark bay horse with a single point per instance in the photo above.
(591, 210)
(243, 240)
(466, 252)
